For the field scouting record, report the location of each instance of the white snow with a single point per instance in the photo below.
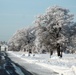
(63, 66)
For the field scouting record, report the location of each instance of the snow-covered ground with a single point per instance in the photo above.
(63, 66)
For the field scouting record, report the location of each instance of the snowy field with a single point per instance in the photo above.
(63, 66)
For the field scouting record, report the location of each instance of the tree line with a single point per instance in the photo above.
(52, 31)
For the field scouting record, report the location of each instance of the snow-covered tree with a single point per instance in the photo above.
(54, 19)
(19, 39)
(73, 38)
(23, 39)
(53, 30)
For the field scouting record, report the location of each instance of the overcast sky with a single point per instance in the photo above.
(16, 14)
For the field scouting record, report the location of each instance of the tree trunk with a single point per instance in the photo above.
(51, 53)
(61, 54)
(58, 49)
(29, 52)
(58, 52)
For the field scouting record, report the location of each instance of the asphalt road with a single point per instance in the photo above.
(6, 68)
(31, 69)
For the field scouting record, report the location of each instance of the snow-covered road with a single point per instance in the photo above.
(31, 67)
(64, 66)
